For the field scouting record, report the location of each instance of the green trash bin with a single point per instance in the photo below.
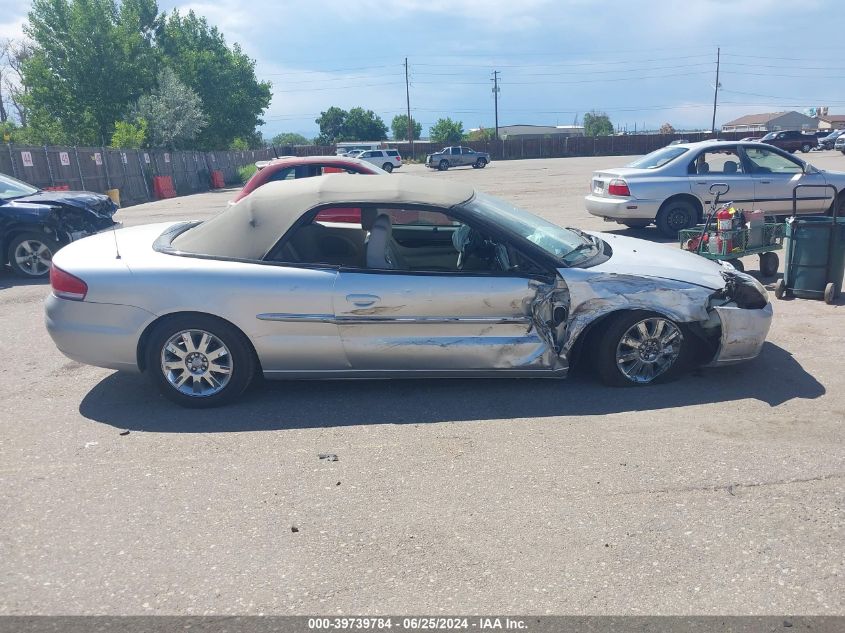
(815, 256)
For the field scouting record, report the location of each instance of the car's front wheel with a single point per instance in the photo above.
(806, 147)
(480, 164)
(674, 216)
(31, 254)
(639, 348)
(388, 167)
(443, 165)
(199, 361)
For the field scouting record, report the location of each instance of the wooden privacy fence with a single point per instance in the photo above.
(551, 147)
(129, 171)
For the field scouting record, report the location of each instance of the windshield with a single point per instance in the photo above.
(658, 158)
(569, 246)
(13, 188)
(769, 136)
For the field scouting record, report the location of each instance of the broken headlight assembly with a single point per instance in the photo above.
(743, 290)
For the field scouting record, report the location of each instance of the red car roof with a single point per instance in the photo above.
(263, 176)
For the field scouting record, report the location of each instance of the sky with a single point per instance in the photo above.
(643, 62)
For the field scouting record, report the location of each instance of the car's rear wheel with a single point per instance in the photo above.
(31, 254)
(675, 215)
(199, 361)
(388, 167)
(639, 348)
(806, 147)
(443, 165)
(480, 163)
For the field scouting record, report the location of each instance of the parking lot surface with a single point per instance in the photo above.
(721, 493)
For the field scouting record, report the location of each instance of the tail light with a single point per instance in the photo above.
(67, 286)
(618, 187)
(399, 158)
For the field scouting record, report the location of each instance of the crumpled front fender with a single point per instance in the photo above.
(594, 295)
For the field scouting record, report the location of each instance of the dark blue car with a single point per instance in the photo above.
(34, 224)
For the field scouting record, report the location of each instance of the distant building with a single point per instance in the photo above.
(831, 121)
(771, 122)
(539, 131)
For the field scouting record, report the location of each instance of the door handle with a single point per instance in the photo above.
(701, 182)
(766, 182)
(362, 301)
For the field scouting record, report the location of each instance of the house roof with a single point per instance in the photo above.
(249, 228)
(832, 118)
(756, 119)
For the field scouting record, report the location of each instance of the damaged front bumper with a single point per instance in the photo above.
(743, 332)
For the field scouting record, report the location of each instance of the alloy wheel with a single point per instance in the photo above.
(33, 257)
(648, 349)
(196, 363)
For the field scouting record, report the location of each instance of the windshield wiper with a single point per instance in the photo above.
(581, 247)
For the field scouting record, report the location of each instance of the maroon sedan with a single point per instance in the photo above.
(306, 167)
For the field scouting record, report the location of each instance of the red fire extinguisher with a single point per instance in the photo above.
(725, 223)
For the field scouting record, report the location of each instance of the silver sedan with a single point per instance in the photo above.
(671, 187)
(341, 276)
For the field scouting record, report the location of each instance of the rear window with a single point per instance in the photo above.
(392, 152)
(658, 158)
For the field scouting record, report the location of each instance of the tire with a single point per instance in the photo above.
(388, 167)
(167, 351)
(737, 263)
(839, 205)
(769, 264)
(675, 215)
(479, 164)
(443, 165)
(806, 147)
(31, 254)
(637, 224)
(666, 355)
(830, 293)
(780, 289)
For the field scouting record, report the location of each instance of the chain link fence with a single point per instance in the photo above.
(127, 170)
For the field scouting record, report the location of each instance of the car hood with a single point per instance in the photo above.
(96, 202)
(647, 259)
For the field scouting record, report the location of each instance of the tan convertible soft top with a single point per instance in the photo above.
(251, 227)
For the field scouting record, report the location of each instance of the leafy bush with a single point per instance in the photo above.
(247, 171)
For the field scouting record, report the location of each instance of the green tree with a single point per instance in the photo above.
(173, 112)
(289, 138)
(239, 144)
(332, 124)
(90, 58)
(667, 128)
(597, 124)
(222, 76)
(399, 126)
(129, 135)
(364, 125)
(447, 131)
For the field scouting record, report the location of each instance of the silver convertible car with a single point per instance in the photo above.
(671, 186)
(420, 278)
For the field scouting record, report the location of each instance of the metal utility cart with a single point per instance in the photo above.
(815, 253)
(730, 245)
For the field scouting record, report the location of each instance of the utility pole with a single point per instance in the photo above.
(408, 102)
(495, 81)
(716, 91)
